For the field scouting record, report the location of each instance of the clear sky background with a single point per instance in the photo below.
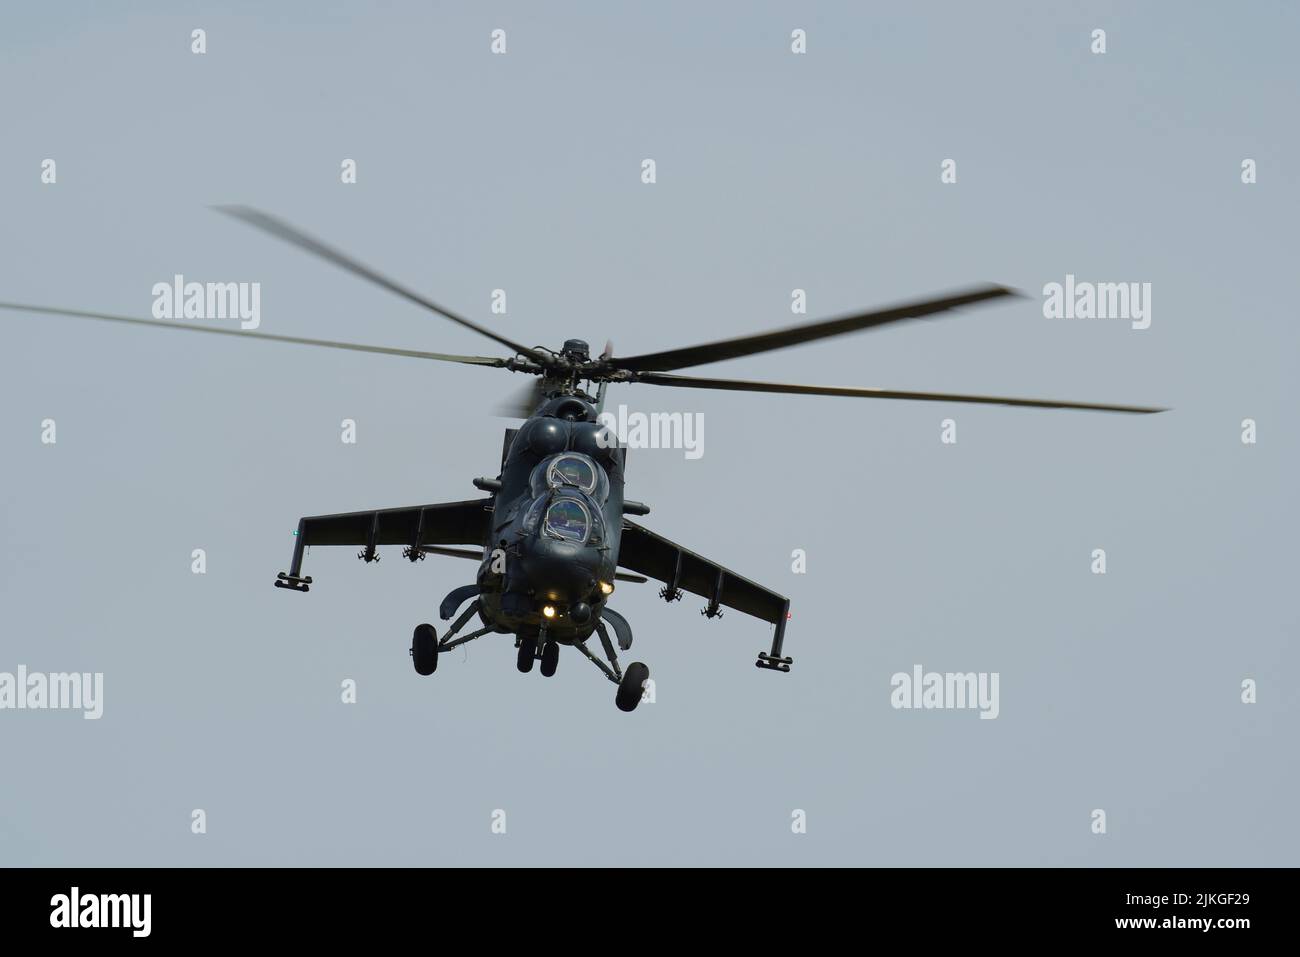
(775, 171)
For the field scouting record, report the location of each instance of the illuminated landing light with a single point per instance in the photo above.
(548, 611)
(606, 588)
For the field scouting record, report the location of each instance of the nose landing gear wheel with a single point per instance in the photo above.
(550, 658)
(424, 649)
(525, 660)
(631, 687)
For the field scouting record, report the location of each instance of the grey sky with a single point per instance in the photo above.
(775, 171)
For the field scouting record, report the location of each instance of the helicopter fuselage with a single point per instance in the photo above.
(552, 546)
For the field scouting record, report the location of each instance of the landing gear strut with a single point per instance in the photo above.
(631, 684)
(425, 645)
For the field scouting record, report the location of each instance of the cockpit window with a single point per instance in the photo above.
(572, 470)
(567, 518)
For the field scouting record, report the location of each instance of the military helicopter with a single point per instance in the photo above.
(552, 535)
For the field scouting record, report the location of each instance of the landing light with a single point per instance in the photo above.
(606, 588)
(548, 611)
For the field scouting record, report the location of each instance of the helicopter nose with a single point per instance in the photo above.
(569, 584)
(561, 572)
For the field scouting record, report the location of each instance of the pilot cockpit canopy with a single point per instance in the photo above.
(571, 470)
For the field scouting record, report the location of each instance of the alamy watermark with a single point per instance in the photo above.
(1098, 300)
(946, 690)
(58, 691)
(179, 299)
(654, 430)
(75, 909)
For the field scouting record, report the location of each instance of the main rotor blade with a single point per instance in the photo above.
(281, 229)
(740, 385)
(793, 335)
(265, 337)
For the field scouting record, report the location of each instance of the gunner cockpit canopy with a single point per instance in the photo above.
(567, 518)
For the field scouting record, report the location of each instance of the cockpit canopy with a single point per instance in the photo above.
(567, 514)
(569, 519)
(570, 470)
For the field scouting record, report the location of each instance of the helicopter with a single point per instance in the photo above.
(552, 534)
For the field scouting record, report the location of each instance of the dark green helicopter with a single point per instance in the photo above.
(552, 535)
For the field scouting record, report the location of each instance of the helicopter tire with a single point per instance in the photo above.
(424, 649)
(632, 686)
(525, 660)
(550, 658)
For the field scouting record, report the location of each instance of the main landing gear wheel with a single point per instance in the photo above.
(550, 658)
(527, 648)
(632, 686)
(424, 649)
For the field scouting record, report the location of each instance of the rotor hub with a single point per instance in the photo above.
(576, 350)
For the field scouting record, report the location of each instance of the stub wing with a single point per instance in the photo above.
(681, 569)
(447, 523)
